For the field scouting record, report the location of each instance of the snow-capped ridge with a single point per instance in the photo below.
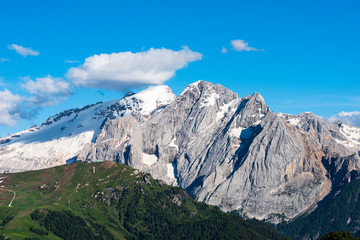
(154, 97)
(70, 130)
(67, 113)
(199, 85)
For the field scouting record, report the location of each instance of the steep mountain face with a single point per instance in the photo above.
(227, 151)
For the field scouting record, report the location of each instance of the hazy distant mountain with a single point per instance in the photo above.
(350, 118)
(225, 150)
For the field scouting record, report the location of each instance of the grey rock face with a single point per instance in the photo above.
(231, 152)
(237, 154)
(118, 141)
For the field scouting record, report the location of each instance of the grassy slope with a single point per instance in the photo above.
(126, 203)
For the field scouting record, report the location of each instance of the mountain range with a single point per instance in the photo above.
(229, 151)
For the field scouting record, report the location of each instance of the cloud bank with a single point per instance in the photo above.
(240, 46)
(123, 70)
(23, 51)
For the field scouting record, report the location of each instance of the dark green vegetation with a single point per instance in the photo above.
(341, 213)
(115, 202)
(338, 236)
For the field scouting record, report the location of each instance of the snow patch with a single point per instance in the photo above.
(353, 137)
(170, 171)
(172, 144)
(294, 121)
(257, 122)
(290, 119)
(229, 107)
(236, 132)
(210, 101)
(149, 159)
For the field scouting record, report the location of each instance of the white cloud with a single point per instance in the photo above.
(23, 51)
(47, 85)
(2, 60)
(45, 91)
(123, 70)
(240, 45)
(350, 118)
(9, 108)
(71, 61)
(349, 114)
(48, 90)
(224, 50)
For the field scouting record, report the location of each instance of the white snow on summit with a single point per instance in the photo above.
(155, 97)
(63, 136)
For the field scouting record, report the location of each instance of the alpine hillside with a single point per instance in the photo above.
(111, 201)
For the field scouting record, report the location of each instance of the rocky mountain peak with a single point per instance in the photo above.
(256, 97)
(251, 110)
(200, 84)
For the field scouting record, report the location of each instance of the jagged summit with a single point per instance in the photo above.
(229, 151)
(257, 97)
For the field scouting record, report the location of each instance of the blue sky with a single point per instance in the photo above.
(301, 55)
